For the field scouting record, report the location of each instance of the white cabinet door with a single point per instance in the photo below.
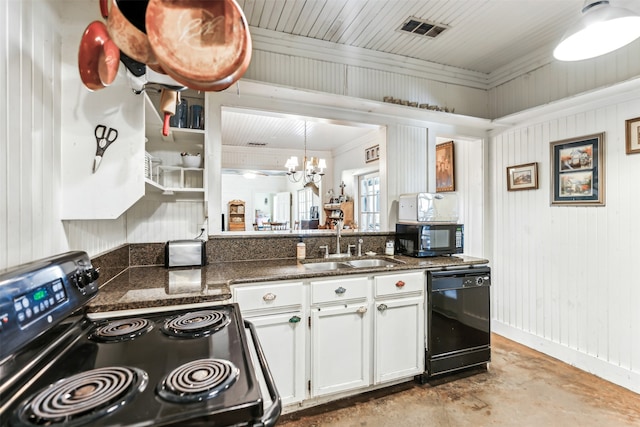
(282, 337)
(118, 183)
(399, 338)
(340, 348)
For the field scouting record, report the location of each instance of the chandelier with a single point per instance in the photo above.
(313, 167)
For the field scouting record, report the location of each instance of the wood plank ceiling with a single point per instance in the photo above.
(482, 36)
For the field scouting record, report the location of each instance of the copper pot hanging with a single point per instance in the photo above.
(203, 44)
(126, 24)
(98, 57)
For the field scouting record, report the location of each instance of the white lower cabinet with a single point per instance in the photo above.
(399, 342)
(282, 339)
(277, 311)
(340, 335)
(340, 348)
(362, 331)
(399, 326)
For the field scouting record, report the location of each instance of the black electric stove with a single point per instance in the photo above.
(185, 366)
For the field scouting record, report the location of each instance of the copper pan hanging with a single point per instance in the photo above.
(126, 24)
(98, 57)
(202, 44)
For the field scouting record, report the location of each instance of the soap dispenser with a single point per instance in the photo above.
(301, 250)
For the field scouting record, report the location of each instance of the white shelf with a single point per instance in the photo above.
(172, 179)
(170, 190)
(154, 122)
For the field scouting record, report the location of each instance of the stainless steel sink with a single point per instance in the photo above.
(361, 263)
(326, 266)
(339, 255)
(356, 263)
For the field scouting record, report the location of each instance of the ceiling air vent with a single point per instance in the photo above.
(420, 27)
(256, 144)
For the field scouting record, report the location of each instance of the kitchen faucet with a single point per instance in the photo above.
(338, 223)
(326, 250)
(360, 247)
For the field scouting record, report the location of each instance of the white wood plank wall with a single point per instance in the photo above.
(565, 278)
(470, 183)
(296, 70)
(155, 219)
(30, 49)
(556, 80)
(407, 160)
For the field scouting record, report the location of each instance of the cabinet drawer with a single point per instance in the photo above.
(273, 295)
(339, 290)
(398, 284)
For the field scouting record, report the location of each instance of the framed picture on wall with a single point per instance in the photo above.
(522, 177)
(445, 173)
(577, 171)
(372, 153)
(633, 135)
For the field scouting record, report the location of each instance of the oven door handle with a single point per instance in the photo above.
(271, 415)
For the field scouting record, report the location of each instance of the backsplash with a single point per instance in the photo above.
(239, 248)
(251, 247)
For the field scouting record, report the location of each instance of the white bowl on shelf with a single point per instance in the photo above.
(191, 160)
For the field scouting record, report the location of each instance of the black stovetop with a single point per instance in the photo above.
(154, 353)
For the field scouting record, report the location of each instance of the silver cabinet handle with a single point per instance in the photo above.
(340, 290)
(269, 297)
(361, 310)
(382, 307)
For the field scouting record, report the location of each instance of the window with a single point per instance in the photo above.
(369, 202)
(305, 200)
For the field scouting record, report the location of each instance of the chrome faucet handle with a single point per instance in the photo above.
(349, 249)
(326, 250)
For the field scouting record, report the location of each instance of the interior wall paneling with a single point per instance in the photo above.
(563, 276)
(96, 236)
(295, 70)
(290, 70)
(407, 161)
(469, 190)
(556, 80)
(30, 46)
(159, 219)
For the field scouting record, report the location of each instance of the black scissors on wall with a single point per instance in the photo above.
(104, 138)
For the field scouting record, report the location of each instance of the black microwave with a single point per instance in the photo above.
(424, 240)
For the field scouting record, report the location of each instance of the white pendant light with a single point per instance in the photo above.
(602, 29)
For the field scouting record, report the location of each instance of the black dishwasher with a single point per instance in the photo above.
(458, 320)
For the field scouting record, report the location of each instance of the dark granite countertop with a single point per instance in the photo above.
(156, 286)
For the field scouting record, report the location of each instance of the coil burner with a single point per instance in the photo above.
(198, 380)
(196, 324)
(84, 397)
(122, 330)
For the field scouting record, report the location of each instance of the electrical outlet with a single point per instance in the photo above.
(202, 230)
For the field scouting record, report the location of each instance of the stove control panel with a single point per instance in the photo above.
(38, 302)
(40, 294)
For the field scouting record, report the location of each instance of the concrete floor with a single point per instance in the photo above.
(521, 388)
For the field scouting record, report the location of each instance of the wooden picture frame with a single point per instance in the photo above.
(522, 177)
(577, 171)
(632, 127)
(445, 172)
(372, 154)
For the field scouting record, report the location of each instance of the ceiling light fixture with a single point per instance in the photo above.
(313, 167)
(602, 29)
